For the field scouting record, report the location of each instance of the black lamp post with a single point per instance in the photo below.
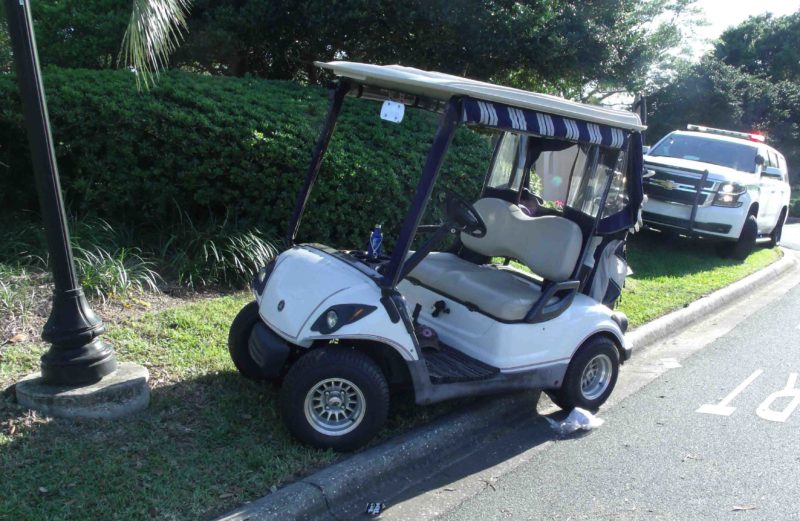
(77, 354)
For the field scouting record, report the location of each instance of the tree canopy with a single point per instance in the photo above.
(555, 45)
(560, 43)
(763, 46)
(749, 81)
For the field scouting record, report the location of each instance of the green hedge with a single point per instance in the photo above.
(217, 147)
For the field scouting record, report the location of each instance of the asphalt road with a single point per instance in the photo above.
(686, 446)
(790, 238)
(656, 456)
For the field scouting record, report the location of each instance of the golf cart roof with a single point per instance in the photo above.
(442, 87)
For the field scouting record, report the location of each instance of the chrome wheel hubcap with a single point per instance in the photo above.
(596, 377)
(335, 406)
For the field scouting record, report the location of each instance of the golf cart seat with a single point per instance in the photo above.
(549, 246)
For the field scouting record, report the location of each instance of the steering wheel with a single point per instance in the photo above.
(463, 215)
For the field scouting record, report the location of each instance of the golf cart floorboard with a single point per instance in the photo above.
(450, 365)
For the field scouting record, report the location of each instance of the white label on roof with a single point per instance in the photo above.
(393, 111)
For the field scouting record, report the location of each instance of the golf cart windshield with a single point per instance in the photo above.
(558, 174)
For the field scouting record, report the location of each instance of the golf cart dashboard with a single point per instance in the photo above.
(360, 260)
(364, 257)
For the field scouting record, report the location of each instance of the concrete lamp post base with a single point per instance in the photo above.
(118, 394)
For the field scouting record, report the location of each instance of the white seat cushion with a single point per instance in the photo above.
(437, 264)
(497, 292)
(549, 245)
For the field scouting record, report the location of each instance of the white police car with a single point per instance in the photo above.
(717, 183)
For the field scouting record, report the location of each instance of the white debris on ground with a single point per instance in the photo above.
(578, 419)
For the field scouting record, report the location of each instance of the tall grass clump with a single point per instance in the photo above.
(105, 262)
(215, 253)
(118, 272)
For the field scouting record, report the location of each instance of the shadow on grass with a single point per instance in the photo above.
(204, 445)
(653, 254)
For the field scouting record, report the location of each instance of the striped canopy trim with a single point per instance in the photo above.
(503, 117)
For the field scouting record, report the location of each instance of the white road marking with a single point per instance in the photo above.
(790, 391)
(723, 408)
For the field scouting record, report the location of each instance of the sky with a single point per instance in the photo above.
(722, 14)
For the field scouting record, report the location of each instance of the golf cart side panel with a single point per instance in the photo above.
(306, 282)
(540, 378)
(515, 347)
(374, 326)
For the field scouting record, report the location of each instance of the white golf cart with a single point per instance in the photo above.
(520, 299)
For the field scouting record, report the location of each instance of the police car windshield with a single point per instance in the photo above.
(739, 156)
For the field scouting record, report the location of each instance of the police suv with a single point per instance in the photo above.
(707, 182)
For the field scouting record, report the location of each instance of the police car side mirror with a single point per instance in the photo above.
(645, 149)
(760, 160)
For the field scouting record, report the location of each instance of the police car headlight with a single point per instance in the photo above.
(728, 195)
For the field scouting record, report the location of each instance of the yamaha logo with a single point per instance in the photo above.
(281, 305)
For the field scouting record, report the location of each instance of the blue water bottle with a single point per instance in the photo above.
(375, 240)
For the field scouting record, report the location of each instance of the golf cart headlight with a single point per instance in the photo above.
(331, 319)
(340, 315)
(728, 195)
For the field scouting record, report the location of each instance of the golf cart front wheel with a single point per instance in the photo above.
(335, 398)
(238, 342)
(591, 376)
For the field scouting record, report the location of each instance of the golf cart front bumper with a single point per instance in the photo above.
(268, 350)
(626, 345)
(627, 350)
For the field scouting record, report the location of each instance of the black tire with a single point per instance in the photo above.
(345, 371)
(239, 338)
(744, 246)
(599, 351)
(775, 234)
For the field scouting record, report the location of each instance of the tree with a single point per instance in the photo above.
(750, 81)
(553, 44)
(764, 46)
(714, 94)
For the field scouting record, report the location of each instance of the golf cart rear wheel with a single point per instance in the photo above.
(591, 376)
(239, 339)
(335, 398)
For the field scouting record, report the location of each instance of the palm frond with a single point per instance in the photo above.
(154, 31)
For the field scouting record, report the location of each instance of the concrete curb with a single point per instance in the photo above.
(331, 486)
(334, 485)
(672, 323)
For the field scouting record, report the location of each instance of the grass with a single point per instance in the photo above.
(670, 274)
(211, 439)
(22, 290)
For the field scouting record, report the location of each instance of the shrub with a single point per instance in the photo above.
(225, 149)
